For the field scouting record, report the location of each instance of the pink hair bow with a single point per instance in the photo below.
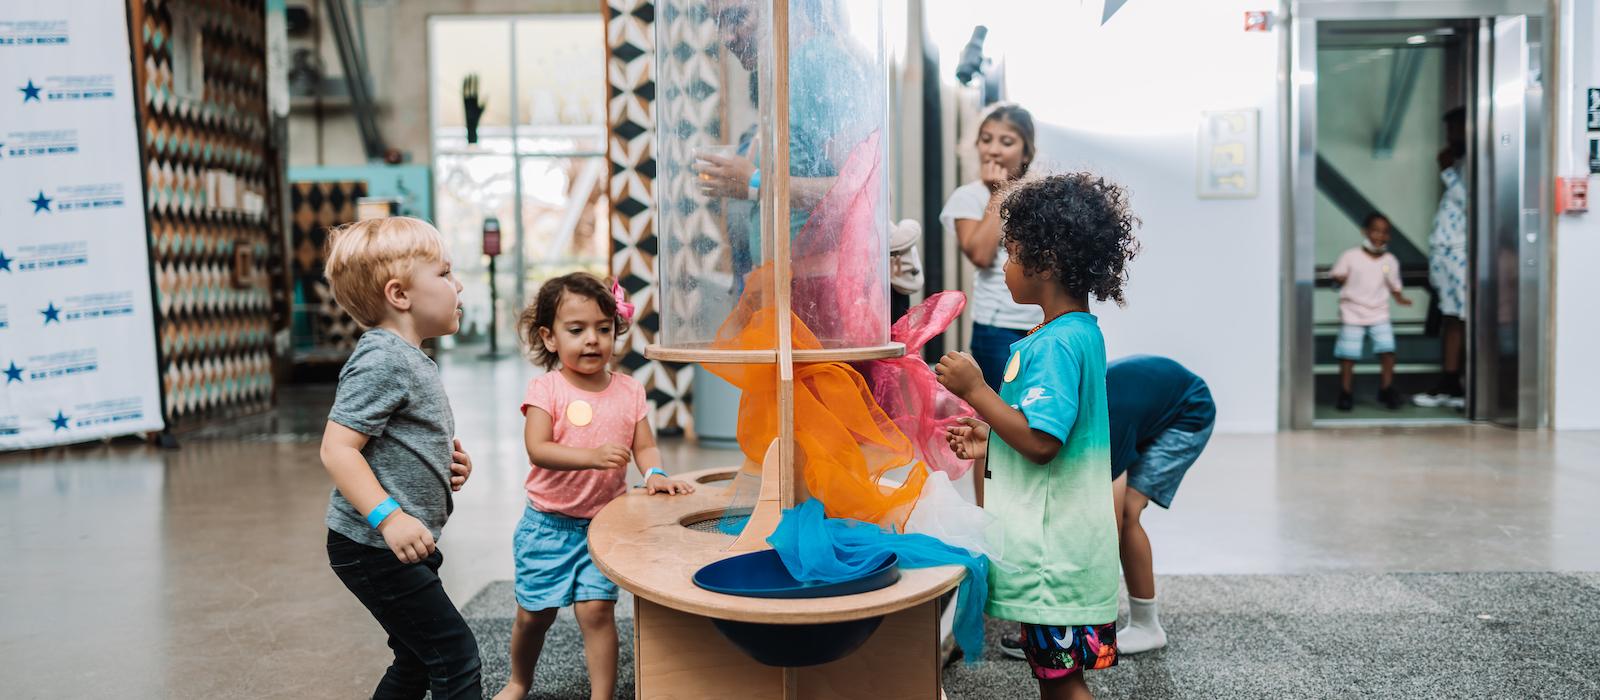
(624, 309)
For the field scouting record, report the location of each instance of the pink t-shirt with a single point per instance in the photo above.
(583, 419)
(1368, 283)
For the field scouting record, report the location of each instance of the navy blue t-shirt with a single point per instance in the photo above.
(1148, 396)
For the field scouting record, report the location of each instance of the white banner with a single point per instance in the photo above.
(77, 335)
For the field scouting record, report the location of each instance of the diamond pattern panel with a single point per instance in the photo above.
(630, 148)
(216, 337)
(314, 208)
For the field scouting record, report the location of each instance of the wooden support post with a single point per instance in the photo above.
(779, 177)
(778, 477)
(769, 505)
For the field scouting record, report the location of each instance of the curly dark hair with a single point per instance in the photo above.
(1075, 227)
(542, 312)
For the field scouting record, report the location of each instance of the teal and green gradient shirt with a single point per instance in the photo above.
(1060, 536)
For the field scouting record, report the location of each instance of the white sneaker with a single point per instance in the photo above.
(1137, 640)
(1430, 400)
(1458, 403)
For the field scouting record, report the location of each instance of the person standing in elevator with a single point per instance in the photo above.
(972, 215)
(1447, 265)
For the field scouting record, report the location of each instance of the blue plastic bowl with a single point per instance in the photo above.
(762, 575)
(798, 645)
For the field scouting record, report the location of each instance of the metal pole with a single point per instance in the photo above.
(494, 313)
(520, 265)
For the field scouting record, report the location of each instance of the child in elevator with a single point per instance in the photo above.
(1368, 275)
(1048, 473)
(584, 424)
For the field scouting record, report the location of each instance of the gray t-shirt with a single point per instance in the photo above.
(390, 391)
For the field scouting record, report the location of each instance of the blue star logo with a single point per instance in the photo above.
(60, 420)
(13, 373)
(29, 91)
(41, 202)
(51, 313)
(5, 262)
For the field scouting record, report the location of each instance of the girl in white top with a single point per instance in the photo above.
(972, 215)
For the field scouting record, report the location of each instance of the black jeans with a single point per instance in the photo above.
(433, 647)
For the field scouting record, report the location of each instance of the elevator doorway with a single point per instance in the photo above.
(1426, 131)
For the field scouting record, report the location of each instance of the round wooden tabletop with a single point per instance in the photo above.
(642, 543)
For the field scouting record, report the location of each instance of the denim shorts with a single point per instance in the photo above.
(553, 565)
(1352, 338)
(1160, 468)
(991, 347)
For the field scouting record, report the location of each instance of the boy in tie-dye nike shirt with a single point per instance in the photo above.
(1057, 517)
(1046, 434)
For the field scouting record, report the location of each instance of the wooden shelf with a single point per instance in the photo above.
(709, 355)
(641, 543)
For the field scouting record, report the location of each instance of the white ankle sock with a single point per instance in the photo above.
(1144, 631)
(1122, 610)
(1142, 612)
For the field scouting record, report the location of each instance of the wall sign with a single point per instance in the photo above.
(77, 326)
(1229, 158)
(1594, 109)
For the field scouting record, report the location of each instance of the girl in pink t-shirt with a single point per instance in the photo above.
(584, 424)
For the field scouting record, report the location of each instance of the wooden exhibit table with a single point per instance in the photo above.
(643, 543)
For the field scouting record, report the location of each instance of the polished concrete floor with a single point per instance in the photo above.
(199, 573)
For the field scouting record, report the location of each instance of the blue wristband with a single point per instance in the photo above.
(656, 470)
(755, 180)
(375, 518)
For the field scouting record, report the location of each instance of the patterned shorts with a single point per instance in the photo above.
(1055, 651)
(1447, 272)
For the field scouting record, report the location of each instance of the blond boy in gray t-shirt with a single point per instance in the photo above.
(390, 447)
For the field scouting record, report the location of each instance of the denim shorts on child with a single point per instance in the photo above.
(553, 565)
(1162, 464)
(1351, 338)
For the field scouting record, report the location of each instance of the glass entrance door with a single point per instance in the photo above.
(538, 163)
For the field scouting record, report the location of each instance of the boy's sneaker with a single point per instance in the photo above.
(1346, 401)
(1388, 398)
(1011, 645)
(1458, 403)
(1430, 400)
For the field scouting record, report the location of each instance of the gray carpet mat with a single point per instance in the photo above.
(1469, 635)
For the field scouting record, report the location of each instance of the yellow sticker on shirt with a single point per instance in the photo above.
(580, 413)
(1013, 366)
